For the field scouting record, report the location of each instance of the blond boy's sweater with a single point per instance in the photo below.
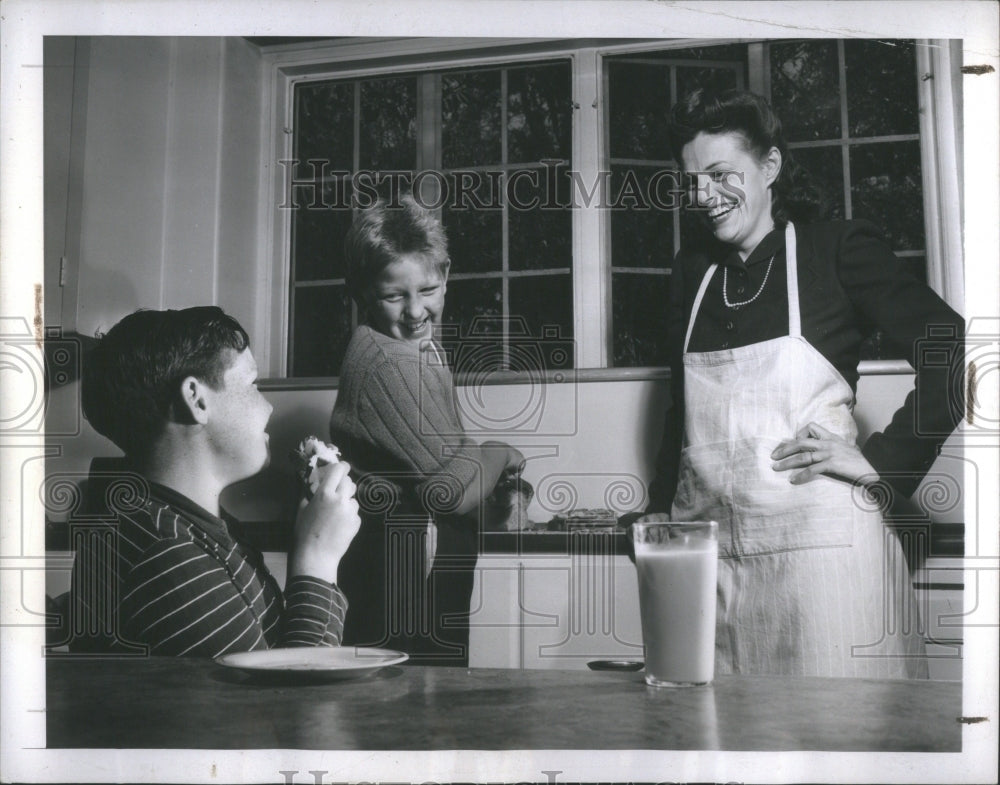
(396, 416)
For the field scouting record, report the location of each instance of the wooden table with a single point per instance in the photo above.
(196, 704)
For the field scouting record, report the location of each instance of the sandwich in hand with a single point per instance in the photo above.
(309, 458)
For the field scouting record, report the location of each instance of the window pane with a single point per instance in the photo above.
(541, 236)
(639, 319)
(639, 100)
(474, 308)
(324, 125)
(642, 234)
(475, 235)
(805, 89)
(470, 118)
(711, 79)
(825, 173)
(736, 52)
(881, 87)
(321, 328)
(539, 112)
(887, 189)
(545, 304)
(318, 232)
(389, 124)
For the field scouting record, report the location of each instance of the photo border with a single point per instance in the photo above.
(22, 27)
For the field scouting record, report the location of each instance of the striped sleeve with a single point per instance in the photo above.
(314, 613)
(179, 600)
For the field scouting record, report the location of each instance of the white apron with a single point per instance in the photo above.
(810, 580)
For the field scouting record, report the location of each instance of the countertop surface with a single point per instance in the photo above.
(196, 704)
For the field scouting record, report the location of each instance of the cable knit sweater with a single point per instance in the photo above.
(396, 415)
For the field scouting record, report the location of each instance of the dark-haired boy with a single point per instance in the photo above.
(176, 391)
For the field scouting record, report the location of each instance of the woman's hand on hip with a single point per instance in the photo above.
(815, 451)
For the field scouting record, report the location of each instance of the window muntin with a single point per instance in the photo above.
(491, 157)
(647, 224)
(861, 119)
(341, 128)
(850, 114)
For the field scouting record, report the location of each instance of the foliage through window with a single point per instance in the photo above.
(491, 149)
(850, 115)
(489, 159)
(644, 235)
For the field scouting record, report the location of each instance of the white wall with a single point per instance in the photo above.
(151, 193)
(243, 273)
(169, 185)
(592, 445)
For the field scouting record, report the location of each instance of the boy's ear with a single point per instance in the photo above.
(193, 402)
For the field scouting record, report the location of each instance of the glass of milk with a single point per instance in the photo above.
(676, 562)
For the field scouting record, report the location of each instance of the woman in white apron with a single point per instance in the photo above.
(767, 328)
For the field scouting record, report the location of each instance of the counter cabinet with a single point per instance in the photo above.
(560, 611)
(554, 611)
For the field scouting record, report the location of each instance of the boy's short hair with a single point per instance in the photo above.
(131, 378)
(386, 232)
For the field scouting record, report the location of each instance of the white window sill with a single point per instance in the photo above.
(582, 375)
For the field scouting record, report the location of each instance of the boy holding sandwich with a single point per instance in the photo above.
(176, 391)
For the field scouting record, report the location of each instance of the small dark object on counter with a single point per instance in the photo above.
(616, 665)
(585, 520)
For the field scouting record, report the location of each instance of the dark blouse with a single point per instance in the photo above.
(850, 284)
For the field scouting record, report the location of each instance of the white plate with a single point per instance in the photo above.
(319, 663)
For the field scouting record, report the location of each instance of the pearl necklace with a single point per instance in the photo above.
(725, 285)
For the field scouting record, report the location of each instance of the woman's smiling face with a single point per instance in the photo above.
(733, 187)
(408, 299)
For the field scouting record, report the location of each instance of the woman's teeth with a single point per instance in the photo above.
(719, 212)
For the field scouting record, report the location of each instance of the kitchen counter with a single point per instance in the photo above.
(196, 704)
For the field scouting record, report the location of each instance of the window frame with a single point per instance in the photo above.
(284, 66)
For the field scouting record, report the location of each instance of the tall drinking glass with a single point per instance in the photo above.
(677, 565)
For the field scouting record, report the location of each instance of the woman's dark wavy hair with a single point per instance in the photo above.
(131, 379)
(750, 116)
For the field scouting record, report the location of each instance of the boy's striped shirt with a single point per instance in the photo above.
(172, 577)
